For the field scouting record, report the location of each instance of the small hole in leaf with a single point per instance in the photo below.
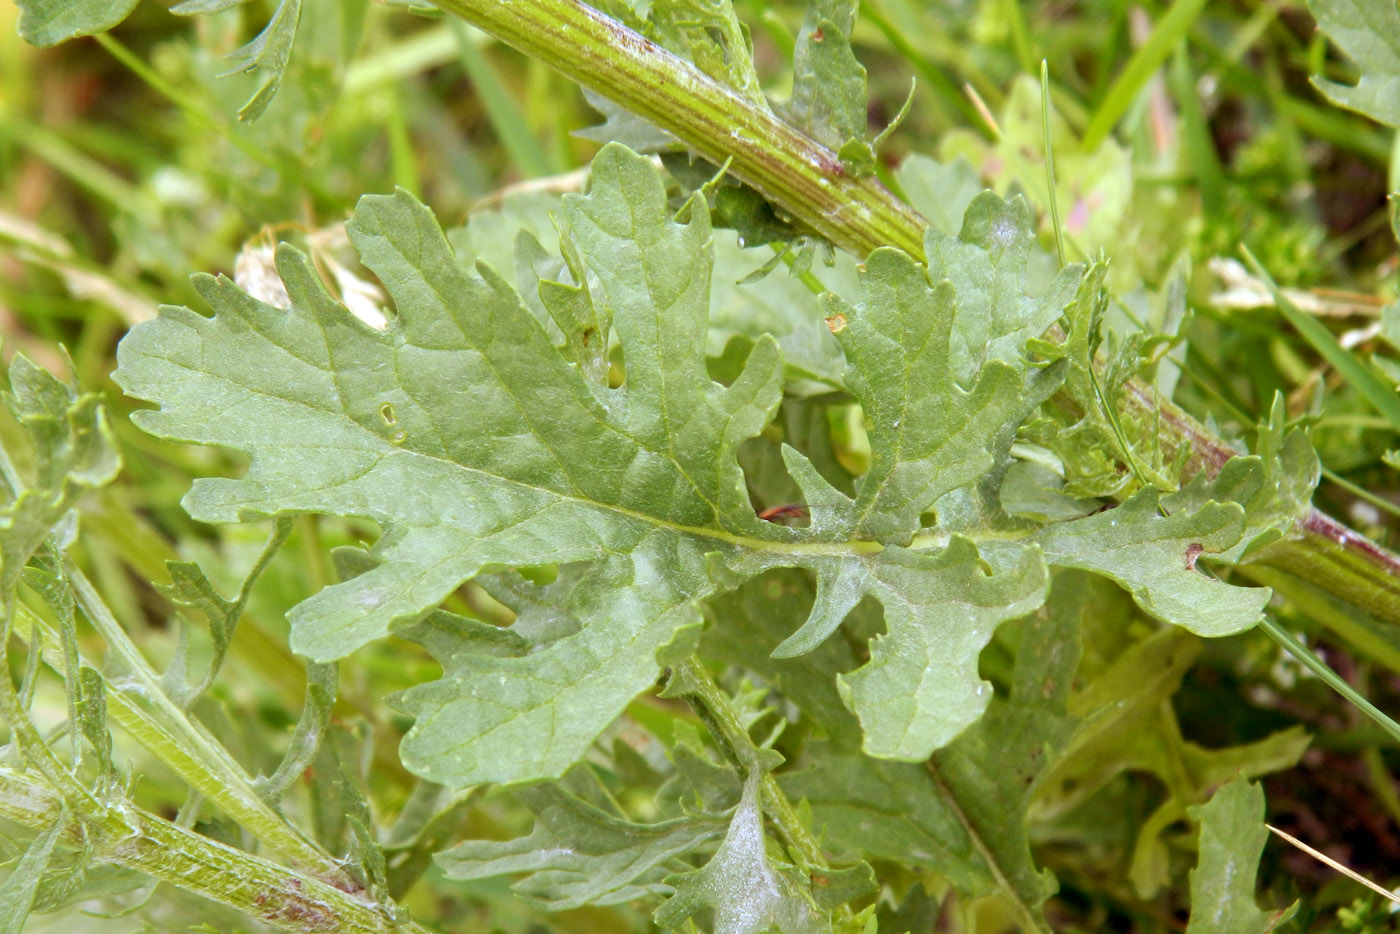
(386, 411)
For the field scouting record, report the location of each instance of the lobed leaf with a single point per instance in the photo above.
(963, 813)
(1222, 884)
(267, 54)
(741, 885)
(828, 98)
(17, 893)
(70, 451)
(1274, 485)
(49, 22)
(479, 430)
(578, 854)
(1154, 557)
(1368, 31)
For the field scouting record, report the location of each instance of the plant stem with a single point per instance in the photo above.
(692, 680)
(807, 182)
(1371, 638)
(796, 174)
(138, 840)
(185, 746)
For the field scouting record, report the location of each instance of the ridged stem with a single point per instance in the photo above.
(127, 836)
(792, 171)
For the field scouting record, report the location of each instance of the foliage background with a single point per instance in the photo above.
(122, 169)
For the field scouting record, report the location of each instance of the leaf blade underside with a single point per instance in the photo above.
(480, 442)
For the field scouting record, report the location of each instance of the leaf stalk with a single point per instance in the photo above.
(693, 681)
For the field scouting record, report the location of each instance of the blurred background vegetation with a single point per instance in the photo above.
(123, 168)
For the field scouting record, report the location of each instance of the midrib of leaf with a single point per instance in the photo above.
(1026, 915)
(849, 548)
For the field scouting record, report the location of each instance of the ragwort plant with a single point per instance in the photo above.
(620, 453)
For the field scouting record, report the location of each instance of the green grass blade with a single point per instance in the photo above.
(1020, 34)
(1169, 31)
(1329, 677)
(1050, 159)
(525, 151)
(1197, 142)
(1381, 396)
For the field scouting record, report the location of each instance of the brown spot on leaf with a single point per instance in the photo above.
(836, 324)
(1193, 551)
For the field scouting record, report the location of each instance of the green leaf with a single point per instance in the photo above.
(917, 912)
(365, 858)
(87, 699)
(519, 463)
(92, 720)
(191, 589)
(928, 434)
(49, 22)
(622, 126)
(18, 891)
(1273, 485)
(1093, 185)
(477, 443)
(1368, 31)
(986, 264)
(577, 854)
(1129, 725)
(709, 34)
(476, 428)
(828, 99)
(780, 305)
(920, 688)
(1095, 449)
(743, 887)
(321, 683)
(995, 768)
(939, 191)
(71, 450)
(963, 814)
(1154, 557)
(748, 623)
(267, 54)
(1222, 884)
